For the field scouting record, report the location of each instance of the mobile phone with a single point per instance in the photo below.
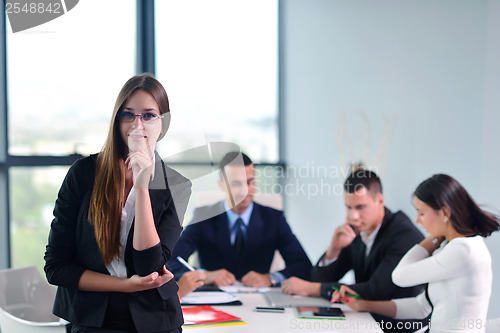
(329, 312)
(308, 312)
(269, 309)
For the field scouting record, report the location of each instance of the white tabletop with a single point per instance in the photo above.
(260, 322)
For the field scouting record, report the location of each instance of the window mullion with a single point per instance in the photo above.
(4, 172)
(145, 36)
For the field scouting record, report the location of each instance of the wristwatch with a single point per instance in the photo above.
(274, 282)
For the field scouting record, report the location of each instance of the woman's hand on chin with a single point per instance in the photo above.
(141, 164)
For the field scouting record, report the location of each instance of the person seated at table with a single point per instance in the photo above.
(458, 276)
(371, 242)
(190, 281)
(236, 238)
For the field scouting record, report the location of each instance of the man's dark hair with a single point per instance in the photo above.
(363, 178)
(234, 158)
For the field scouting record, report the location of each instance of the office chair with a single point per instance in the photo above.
(26, 301)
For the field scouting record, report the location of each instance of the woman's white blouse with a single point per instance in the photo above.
(459, 278)
(117, 266)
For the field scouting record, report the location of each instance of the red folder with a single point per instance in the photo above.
(205, 314)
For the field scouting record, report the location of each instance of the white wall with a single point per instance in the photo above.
(408, 87)
(490, 142)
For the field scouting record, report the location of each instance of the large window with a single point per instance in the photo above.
(63, 78)
(218, 62)
(32, 196)
(64, 75)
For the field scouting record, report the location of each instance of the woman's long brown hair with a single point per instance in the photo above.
(108, 194)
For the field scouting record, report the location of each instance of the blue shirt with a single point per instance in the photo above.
(232, 217)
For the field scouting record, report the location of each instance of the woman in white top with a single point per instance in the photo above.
(458, 274)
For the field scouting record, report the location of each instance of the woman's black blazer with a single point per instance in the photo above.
(72, 249)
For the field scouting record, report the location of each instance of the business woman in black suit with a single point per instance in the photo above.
(116, 220)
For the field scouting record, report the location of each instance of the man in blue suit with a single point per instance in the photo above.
(236, 238)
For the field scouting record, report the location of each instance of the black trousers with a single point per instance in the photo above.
(118, 318)
(79, 329)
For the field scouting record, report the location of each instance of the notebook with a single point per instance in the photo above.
(206, 314)
(277, 298)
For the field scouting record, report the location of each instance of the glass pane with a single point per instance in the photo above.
(218, 62)
(205, 189)
(33, 192)
(64, 76)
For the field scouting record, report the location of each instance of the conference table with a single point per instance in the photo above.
(286, 322)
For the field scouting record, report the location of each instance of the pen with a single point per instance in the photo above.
(184, 262)
(348, 293)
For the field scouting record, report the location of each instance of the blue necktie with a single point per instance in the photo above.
(239, 241)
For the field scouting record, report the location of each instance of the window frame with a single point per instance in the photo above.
(145, 55)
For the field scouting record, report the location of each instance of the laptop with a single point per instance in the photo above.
(277, 298)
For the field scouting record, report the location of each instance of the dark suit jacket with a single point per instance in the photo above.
(267, 231)
(72, 249)
(396, 236)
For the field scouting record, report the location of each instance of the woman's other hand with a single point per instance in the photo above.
(432, 243)
(153, 280)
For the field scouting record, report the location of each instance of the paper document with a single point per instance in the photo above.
(239, 287)
(209, 298)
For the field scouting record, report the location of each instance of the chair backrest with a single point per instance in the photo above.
(13, 324)
(26, 301)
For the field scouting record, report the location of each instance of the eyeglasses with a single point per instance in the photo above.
(146, 118)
